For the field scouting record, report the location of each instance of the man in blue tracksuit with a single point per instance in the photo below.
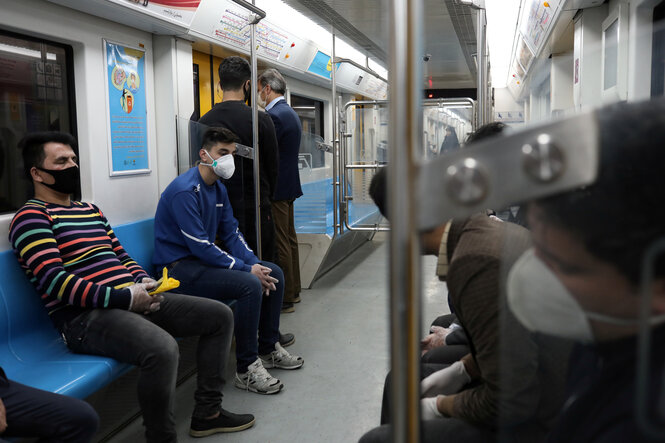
(192, 212)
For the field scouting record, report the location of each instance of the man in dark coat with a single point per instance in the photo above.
(271, 88)
(232, 113)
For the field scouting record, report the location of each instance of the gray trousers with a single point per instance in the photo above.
(147, 342)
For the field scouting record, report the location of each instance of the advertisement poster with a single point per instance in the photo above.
(321, 65)
(126, 109)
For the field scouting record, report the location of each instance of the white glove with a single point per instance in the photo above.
(447, 381)
(428, 409)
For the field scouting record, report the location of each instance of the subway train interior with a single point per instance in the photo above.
(462, 200)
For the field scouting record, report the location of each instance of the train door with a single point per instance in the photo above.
(310, 112)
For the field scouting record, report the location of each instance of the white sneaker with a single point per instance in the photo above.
(258, 380)
(280, 358)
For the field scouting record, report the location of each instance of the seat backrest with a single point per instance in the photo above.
(21, 310)
(138, 239)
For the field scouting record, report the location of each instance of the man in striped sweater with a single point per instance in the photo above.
(97, 295)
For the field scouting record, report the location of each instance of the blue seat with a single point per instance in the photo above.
(31, 349)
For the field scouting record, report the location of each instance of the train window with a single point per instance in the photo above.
(36, 94)
(310, 112)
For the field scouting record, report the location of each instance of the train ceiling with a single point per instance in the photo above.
(449, 35)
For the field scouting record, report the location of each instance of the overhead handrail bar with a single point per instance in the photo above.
(367, 69)
(260, 13)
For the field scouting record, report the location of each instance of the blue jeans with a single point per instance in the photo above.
(253, 310)
(147, 341)
(50, 417)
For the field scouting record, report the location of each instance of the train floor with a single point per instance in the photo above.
(341, 329)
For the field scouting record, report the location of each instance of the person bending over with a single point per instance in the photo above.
(585, 279)
(509, 386)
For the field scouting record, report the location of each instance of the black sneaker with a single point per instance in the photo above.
(225, 422)
(286, 339)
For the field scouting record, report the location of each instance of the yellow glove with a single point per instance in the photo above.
(165, 283)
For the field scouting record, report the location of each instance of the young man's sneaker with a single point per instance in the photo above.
(280, 358)
(225, 422)
(288, 307)
(258, 380)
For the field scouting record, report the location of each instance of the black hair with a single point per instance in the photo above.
(32, 147)
(213, 136)
(377, 190)
(485, 131)
(619, 216)
(233, 71)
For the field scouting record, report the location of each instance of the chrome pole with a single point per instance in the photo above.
(335, 145)
(254, 19)
(406, 119)
(481, 43)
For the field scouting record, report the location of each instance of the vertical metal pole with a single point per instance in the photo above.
(481, 43)
(333, 104)
(255, 136)
(406, 119)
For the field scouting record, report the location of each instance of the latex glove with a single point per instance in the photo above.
(143, 302)
(150, 283)
(428, 409)
(447, 381)
(436, 339)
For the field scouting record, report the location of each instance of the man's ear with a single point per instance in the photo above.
(34, 173)
(202, 155)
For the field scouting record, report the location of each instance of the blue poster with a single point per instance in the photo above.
(128, 126)
(321, 65)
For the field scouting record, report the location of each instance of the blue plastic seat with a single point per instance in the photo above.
(31, 349)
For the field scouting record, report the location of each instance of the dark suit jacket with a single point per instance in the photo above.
(522, 374)
(289, 130)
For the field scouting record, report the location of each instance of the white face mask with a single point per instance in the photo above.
(224, 166)
(261, 101)
(542, 304)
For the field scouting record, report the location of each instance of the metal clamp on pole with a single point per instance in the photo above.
(260, 13)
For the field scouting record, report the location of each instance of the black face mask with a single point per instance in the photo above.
(66, 180)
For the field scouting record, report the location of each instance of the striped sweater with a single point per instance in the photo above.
(73, 258)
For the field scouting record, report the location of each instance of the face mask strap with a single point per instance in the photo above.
(209, 156)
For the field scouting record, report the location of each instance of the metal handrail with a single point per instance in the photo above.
(335, 146)
(464, 102)
(260, 13)
(406, 19)
(367, 69)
